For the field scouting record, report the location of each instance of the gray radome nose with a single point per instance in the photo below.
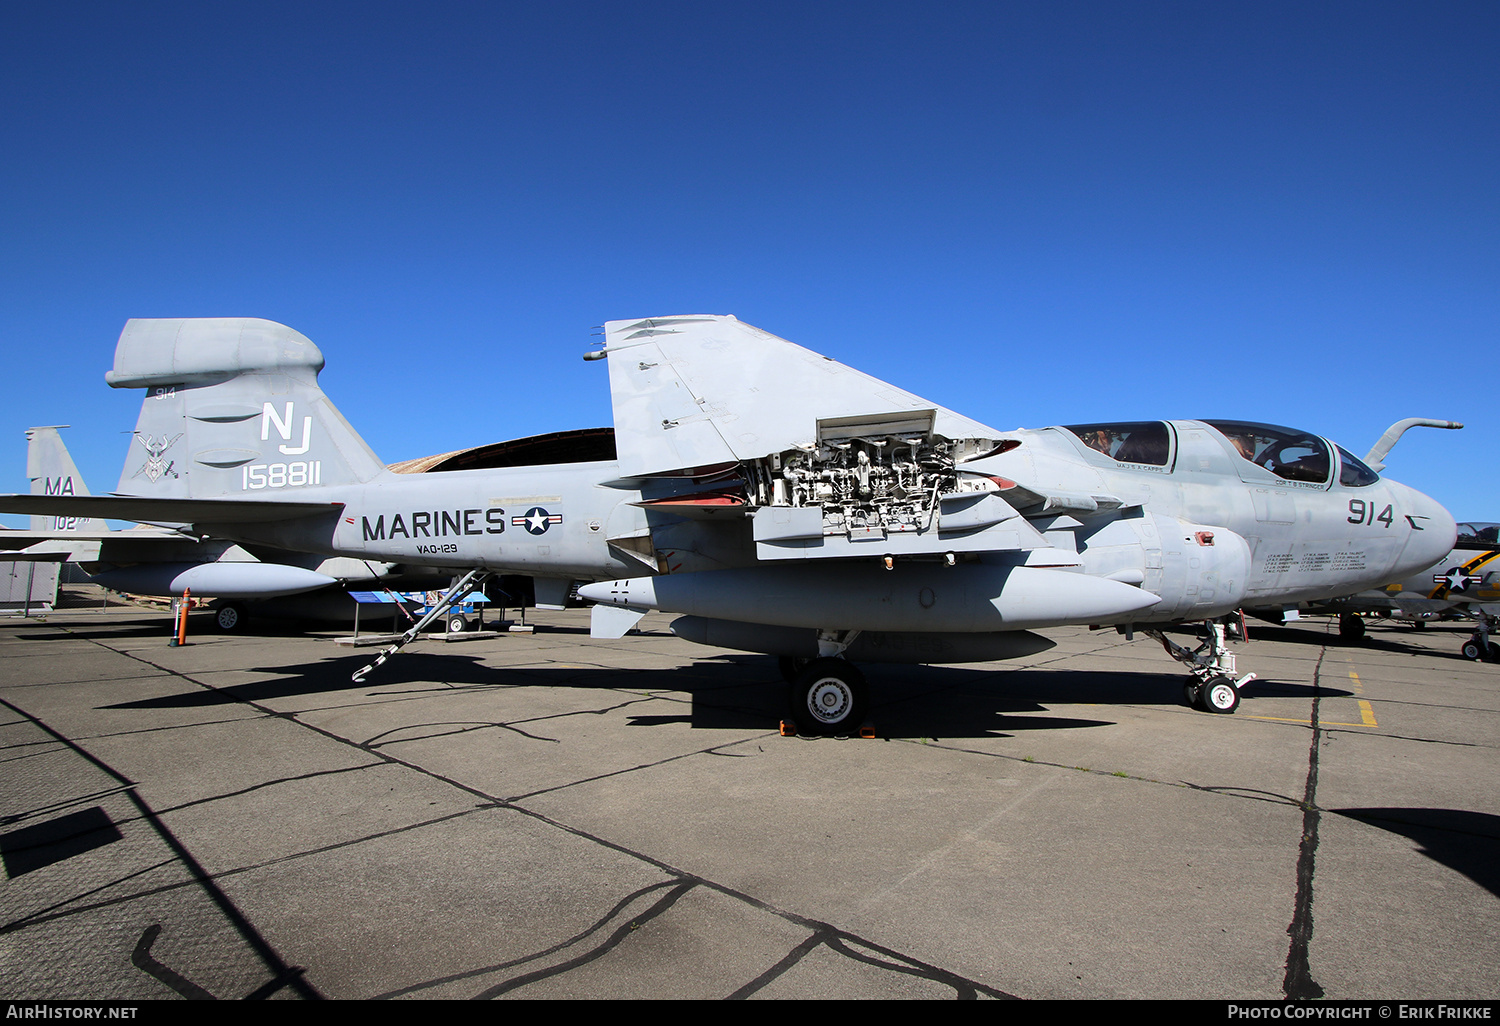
(1433, 529)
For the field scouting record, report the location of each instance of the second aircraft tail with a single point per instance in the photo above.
(53, 472)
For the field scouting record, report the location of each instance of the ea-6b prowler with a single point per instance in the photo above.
(784, 503)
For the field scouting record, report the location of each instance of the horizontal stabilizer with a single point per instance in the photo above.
(165, 510)
(12, 540)
(39, 557)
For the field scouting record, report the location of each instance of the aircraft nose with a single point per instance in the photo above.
(1432, 533)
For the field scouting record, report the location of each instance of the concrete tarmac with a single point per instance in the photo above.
(547, 816)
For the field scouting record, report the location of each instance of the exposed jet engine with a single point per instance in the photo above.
(867, 479)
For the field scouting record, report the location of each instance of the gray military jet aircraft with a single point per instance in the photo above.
(783, 502)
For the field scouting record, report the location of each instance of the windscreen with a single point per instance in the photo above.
(1289, 454)
(1352, 471)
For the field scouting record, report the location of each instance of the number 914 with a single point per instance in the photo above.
(1362, 512)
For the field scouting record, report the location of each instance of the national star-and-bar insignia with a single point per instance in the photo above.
(1455, 579)
(536, 520)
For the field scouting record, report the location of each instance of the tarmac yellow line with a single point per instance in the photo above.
(1369, 721)
(1366, 710)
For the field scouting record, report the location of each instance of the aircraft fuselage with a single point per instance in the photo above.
(548, 520)
(1302, 540)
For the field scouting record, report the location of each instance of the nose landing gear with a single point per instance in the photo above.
(1213, 687)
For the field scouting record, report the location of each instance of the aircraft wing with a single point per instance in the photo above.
(699, 391)
(165, 510)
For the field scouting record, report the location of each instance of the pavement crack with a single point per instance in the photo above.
(588, 931)
(460, 727)
(661, 905)
(1298, 984)
(964, 989)
(787, 961)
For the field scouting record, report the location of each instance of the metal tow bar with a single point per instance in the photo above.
(439, 608)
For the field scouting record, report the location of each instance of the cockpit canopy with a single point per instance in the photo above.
(1135, 442)
(1286, 452)
(1289, 454)
(1293, 455)
(1478, 536)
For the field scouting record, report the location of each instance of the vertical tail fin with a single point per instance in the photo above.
(52, 472)
(232, 407)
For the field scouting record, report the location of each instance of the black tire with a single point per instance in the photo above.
(1472, 650)
(1192, 694)
(457, 624)
(229, 618)
(1221, 696)
(1351, 627)
(828, 697)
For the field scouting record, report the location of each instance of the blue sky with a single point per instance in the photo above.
(1034, 213)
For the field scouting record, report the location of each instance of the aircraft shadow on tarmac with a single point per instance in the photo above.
(1271, 688)
(1384, 641)
(1465, 842)
(122, 630)
(740, 692)
(160, 624)
(747, 692)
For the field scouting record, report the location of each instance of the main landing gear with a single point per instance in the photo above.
(1479, 647)
(828, 694)
(1213, 687)
(828, 697)
(229, 617)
